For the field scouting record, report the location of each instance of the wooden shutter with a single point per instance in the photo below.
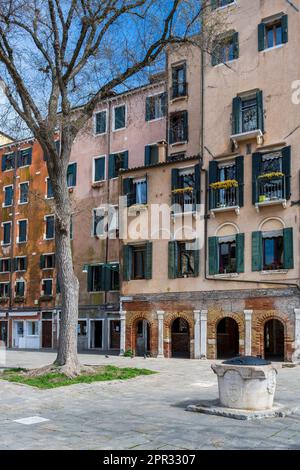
(148, 264)
(285, 33)
(257, 251)
(256, 170)
(236, 49)
(240, 248)
(90, 279)
(239, 162)
(74, 173)
(147, 155)
(236, 115)
(212, 178)
(172, 260)
(286, 169)
(260, 111)
(112, 166)
(128, 191)
(125, 160)
(15, 264)
(198, 183)
(288, 250)
(196, 263)
(185, 126)
(127, 262)
(213, 256)
(42, 261)
(174, 178)
(4, 157)
(261, 36)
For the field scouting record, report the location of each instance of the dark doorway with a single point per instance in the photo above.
(115, 334)
(3, 332)
(96, 334)
(142, 338)
(227, 338)
(180, 338)
(46, 333)
(274, 340)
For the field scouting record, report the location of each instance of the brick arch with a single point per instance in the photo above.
(131, 331)
(258, 326)
(168, 321)
(213, 321)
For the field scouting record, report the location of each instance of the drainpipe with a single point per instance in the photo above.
(12, 234)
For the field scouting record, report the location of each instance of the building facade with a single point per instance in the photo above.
(238, 292)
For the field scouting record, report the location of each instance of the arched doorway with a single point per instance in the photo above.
(227, 338)
(142, 346)
(274, 340)
(180, 338)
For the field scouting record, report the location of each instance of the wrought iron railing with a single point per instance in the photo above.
(270, 189)
(224, 198)
(184, 201)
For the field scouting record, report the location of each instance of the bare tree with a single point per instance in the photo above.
(58, 59)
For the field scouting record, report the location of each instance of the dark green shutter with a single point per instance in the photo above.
(90, 279)
(107, 276)
(174, 178)
(42, 261)
(212, 178)
(285, 33)
(15, 261)
(288, 251)
(25, 263)
(185, 126)
(148, 266)
(236, 115)
(260, 111)
(112, 166)
(127, 262)
(240, 247)
(99, 169)
(196, 263)
(128, 191)
(147, 155)
(261, 36)
(198, 184)
(172, 260)
(213, 267)
(74, 172)
(4, 162)
(257, 251)
(125, 160)
(236, 49)
(239, 162)
(286, 169)
(256, 170)
(171, 132)
(148, 109)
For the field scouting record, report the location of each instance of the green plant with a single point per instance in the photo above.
(128, 353)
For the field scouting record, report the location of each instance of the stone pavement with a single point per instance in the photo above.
(143, 413)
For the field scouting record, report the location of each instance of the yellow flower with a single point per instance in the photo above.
(182, 190)
(224, 184)
(273, 174)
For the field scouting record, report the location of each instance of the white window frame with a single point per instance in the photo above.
(106, 121)
(93, 223)
(15, 285)
(45, 232)
(116, 262)
(4, 188)
(4, 272)
(114, 118)
(46, 193)
(226, 6)
(105, 168)
(26, 148)
(158, 93)
(6, 283)
(9, 169)
(48, 254)
(19, 200)
(87, 327)
(95, 291)
(2, 225)
(26, 328)
(89, 332)
(20, 270)
(42, 291)
(69, 164)
(18, 223)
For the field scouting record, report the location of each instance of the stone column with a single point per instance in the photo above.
(296, 353)
(203, 334)
(160, 318)
(248, 332)
(122, 332)
(197, 351)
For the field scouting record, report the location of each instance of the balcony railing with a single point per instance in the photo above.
(271, 191)
(224, 199)
(179, 91)
(185, 201)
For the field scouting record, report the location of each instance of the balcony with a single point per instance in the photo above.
(224, 197)
(184, 200)
(179, 92)
(271, 190)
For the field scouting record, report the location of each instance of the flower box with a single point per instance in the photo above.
(224, 184)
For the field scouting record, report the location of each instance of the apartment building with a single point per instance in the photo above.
(237, 290)
(124, 131)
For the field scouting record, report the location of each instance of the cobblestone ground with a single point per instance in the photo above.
(143, 413)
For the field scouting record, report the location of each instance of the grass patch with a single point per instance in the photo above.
(54, 379)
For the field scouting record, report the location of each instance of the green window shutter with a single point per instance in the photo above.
(198, 183)
(147, 155)
(128, 191)
(288, 251)
(125, 160)
(236, 48)
(127, 262)
(107, 274)
(286, 169)
(196, 263)
(257, 251)
(112, 166)
(240, 247)
(256, 169)
(260, 111)
(172, 260)
(213, 256)
(99, 169)
(285, 29)
(261, 36)
(90, 279)
(174, 178)
(148, 109)
(236, 115)
(15, 265)
(25, 263)
(4, 162)
(212, 178)
(239, 162)
(42, 261)
(148, 266)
